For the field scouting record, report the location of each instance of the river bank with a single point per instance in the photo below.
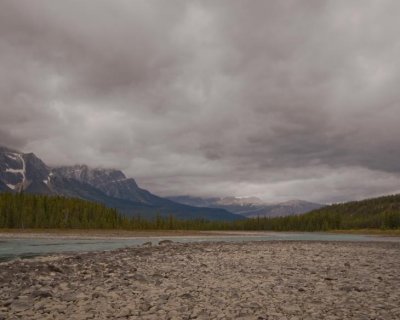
(250, 280)
(99, 233)
(371, 232)
(126, 234)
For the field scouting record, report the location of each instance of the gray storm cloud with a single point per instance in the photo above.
(278, 99)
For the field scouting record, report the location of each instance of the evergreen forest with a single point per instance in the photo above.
(42, 211)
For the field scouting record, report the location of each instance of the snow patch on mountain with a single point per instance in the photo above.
(14, 170)
(23, 170)
(16, 158)
(47, 181)
(12, 156)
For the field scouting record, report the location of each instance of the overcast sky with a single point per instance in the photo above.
(276, 99)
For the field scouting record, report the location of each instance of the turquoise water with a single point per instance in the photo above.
(24, 248)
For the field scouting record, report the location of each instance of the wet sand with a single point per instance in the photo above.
(252, 280)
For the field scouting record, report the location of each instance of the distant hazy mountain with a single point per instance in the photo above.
(26, 172)
(281, 209)
(251, 206)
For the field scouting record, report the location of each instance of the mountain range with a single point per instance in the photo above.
(250, 207)
(26, 172)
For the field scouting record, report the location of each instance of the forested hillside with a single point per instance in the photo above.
(20, 210)
(376, 213)
(41, 211)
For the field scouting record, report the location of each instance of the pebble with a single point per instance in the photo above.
(253, 280)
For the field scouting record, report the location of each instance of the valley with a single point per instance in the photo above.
(20, 172)
(27, 173)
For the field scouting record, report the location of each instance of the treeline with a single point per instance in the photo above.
(19, 210)
(376, 213)
(40, 211)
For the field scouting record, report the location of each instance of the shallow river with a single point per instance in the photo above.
(11, 248)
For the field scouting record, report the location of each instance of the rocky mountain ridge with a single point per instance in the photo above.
(24, 172)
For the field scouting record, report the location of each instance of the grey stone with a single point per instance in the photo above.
(164, 242)
(41, 294)
(54, 268)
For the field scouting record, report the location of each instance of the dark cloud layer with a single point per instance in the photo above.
(278, 99)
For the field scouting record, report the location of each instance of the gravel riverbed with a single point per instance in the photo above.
(252, 280)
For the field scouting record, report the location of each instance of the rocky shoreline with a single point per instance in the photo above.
(252, 280)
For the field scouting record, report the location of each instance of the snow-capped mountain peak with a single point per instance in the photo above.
(25, 172)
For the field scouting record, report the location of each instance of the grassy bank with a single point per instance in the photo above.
(378, 232)
(110, 233)
(103, 232)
